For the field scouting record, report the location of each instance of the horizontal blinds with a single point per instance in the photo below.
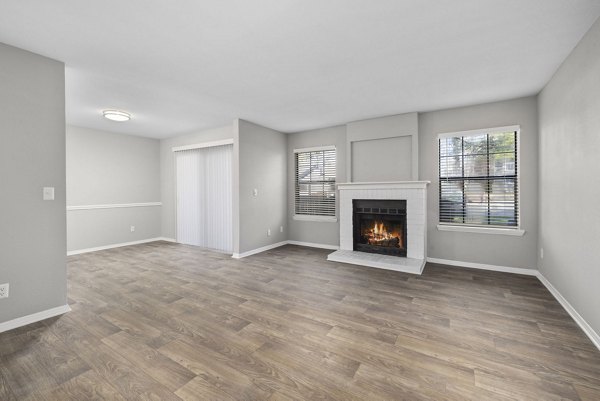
(315, 182)
(479, 179)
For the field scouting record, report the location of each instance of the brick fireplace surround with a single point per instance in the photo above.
(415, 194)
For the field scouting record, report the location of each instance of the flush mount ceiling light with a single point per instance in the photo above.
(116, 115)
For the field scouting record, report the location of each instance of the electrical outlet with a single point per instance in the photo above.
(48, 193)
(132, 228)
(269, 232)
(281, 229)
(4, 290)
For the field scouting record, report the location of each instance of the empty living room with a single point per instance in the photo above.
(299, 200)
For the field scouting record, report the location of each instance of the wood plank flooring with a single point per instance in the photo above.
(164, 321)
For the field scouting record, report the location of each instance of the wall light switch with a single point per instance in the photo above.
(255, 192)
(269, 232)
(281, 229)
(48, 193)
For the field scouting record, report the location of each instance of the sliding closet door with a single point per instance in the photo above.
(204, 197)
(218, 228)
(189, 167)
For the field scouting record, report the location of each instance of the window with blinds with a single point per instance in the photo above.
(479, 178)
(315, 182)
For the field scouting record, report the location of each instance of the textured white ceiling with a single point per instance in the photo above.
(185, 65)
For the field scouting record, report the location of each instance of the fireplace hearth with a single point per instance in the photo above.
(380, 226)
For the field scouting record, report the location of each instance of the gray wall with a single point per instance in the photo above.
(262, 166)
(377, 135)
(569, 110)
(318, 232)
(356, 142)
(167, 172)
(501, 250)
(104, 168)
(32, 155)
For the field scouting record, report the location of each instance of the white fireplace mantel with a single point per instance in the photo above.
(415, 194)
(383, 185)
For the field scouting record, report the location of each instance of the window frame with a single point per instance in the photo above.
(314, 217)
(481, 228)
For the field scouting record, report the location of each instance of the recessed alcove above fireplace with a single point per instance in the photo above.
(383, 225)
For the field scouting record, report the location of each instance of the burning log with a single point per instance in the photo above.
(386, 242)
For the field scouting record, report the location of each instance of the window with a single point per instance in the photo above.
(315, 183)
(479, 178)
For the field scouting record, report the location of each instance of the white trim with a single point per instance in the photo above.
(481, 230)
(313, 245)
(384, 185)
(508, 128)
(113, 206)
(235, 255)
(111, 246)
(482, 131)
(587, 329)
(34, 317)
(258, 250)
(310, 217)
(315, 149)
(482, 266)
(203, 145)
(404, 265)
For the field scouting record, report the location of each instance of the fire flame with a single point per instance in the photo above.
(379, 235)
(379, 230)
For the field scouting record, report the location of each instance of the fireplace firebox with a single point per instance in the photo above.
(379, 226)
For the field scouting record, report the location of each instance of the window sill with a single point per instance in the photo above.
(481, 230)
(304, 217)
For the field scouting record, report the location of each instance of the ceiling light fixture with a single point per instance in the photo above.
(116, 115)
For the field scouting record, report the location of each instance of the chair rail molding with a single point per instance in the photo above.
(112, 206)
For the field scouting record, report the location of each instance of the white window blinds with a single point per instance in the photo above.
(315, 181)
(478, 174)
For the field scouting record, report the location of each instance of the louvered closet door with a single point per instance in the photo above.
(204, 197)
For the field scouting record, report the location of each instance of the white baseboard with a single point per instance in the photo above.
(101, 248)
(587, 329)
(258, 250)
(505, 269)
(34, 317)
(282, 243)
(235, 255)
(314, 245)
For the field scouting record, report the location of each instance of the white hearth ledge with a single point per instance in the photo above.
(405, 265)
(384, 185)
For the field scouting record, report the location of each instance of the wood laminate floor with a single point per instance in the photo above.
(163, 321)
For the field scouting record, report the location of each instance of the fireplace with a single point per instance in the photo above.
(379, 226)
